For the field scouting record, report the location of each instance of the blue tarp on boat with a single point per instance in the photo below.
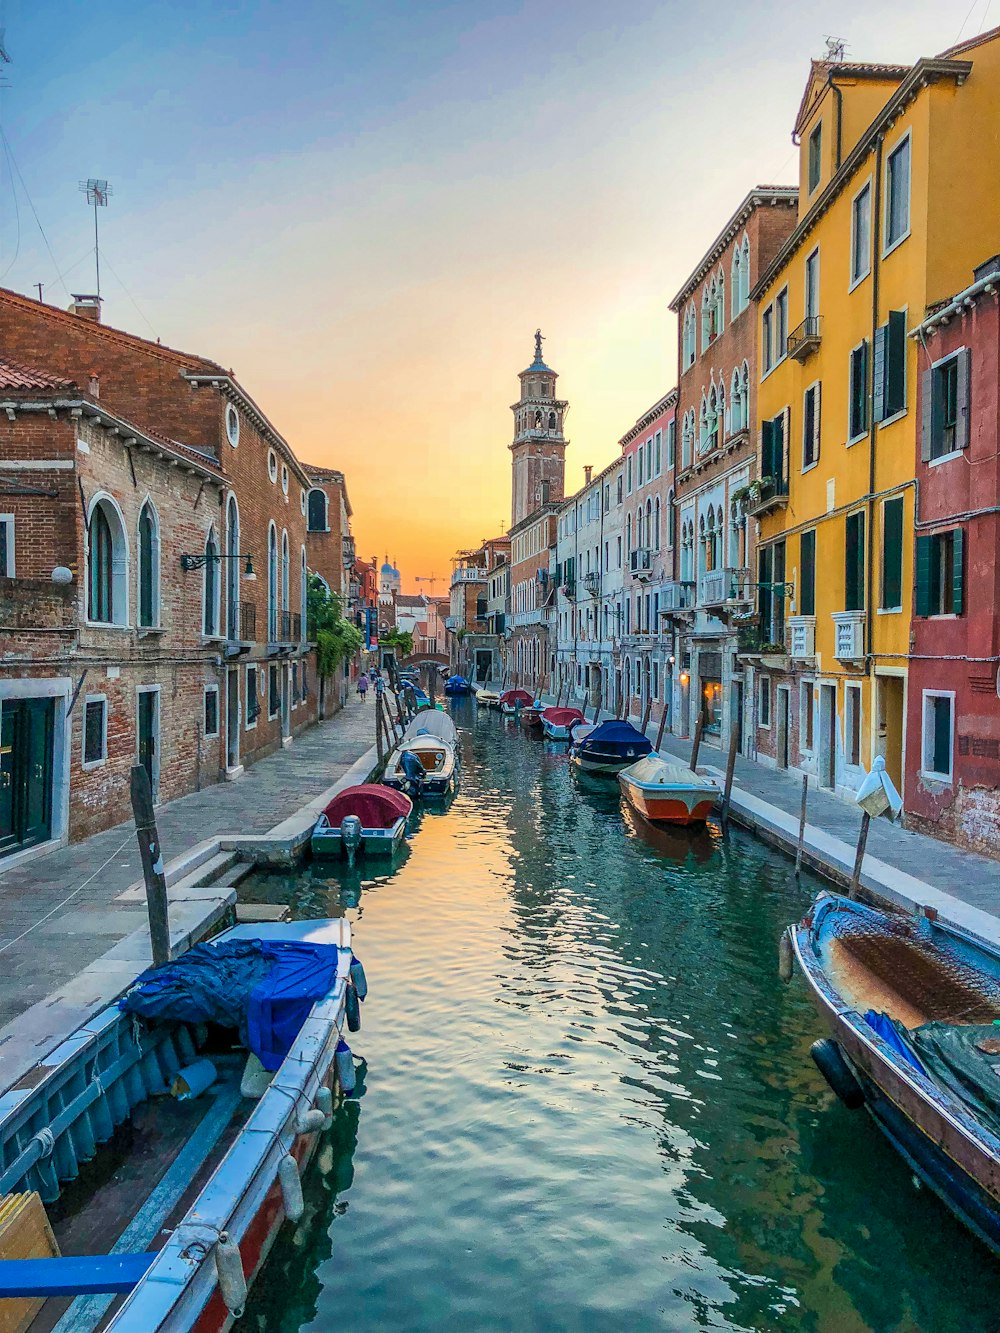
(265, 988)
(612, 735)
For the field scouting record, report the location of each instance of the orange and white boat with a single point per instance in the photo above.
(668, 793)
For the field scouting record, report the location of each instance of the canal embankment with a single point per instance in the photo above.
(74, 928)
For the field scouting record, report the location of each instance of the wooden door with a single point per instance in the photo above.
(26, 735)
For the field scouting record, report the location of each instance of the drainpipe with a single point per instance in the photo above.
(872, 428)
(840, 120)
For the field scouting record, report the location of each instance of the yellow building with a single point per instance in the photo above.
(900, 187)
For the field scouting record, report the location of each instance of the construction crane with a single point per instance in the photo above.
(427, 578)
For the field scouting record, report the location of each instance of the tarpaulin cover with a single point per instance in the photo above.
(375, 806)
(458, 682)
(562, 717)
(612, 735)
(950, 1055)
(894, 1035)
(516, 697)
(264, 988)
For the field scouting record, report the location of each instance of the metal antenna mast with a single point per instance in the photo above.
(97, 194)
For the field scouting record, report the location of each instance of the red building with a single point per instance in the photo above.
(953, 709)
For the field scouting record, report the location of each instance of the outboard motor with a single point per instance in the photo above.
(413, 771)
(350, 836)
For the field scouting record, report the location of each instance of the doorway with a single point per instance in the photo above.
(891, 703)
(148, 736)
(828, 736)
(484, 665)
(233, 719)
(286, 704)
(781, 736)
(26, 745)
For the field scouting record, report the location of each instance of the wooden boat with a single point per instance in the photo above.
(607, 747)
(432, 724)
(532, 716)
(512, 701)
(366, 818)
(913, 1004)
(185, 1226)
(557, 723)
(488, 698)
(456, 686)
(667, 793)
(424, 766)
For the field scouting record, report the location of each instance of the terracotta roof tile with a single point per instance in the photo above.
(14, 376)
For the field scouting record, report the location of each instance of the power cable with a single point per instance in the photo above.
(17, 215)
(9, 150)
(141, 313)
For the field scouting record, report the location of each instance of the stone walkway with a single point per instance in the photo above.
(58, 946)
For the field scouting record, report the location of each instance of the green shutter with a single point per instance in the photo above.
(957, 571)
(807, 573)
(892, 554)
(878, 374)
(942, 735)
(927, 416)
(962, 400)
(767, 449)
(854, 563)
(924, 561)
(895, 372)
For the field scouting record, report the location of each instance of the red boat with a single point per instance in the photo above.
(513, 700)
(558, 723)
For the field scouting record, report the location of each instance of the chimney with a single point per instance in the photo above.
(87, 307)
(588, 469)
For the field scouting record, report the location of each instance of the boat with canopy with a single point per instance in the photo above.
(607, 747)
(423, 766)
(513, 701)
(665, 792)
(557, 723)
(368, 818)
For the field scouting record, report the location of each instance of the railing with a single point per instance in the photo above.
(676, 596)
(768, 493)
(468, 574)
(289, 627)
(592, 582)
(568, 587)
(849, 635)
(804, 339)
(640, 561)
(248, 621)
(802, 636)
(715, 587)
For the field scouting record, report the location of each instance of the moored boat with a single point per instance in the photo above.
(532, 715)
(557, 723)
(608, 747)
(512, 701)
(432, 723)
(367, 818)
(665, 792)
(245, 1032)
(456, 686)
(913, 1006)
(488, 697)
(423, 766)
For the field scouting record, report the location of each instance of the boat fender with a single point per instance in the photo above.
(291, 1188)
(310, 1121)
(352, 1008)
(831, 1064)
(785, 956)
(229, 1270)
(358, 977)
(345, 1068)
(324, 1103)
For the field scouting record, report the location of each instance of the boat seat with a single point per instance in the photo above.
(79, 1275)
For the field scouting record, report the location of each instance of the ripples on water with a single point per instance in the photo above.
(588, 1102)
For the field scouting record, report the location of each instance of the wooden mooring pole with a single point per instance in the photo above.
(645, 716)
(866, 819)
(378, 728)
(802, 826)
(697, 744)
(727, 796)
(152, 863)
(659, 730)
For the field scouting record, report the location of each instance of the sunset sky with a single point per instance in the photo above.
(367, 208)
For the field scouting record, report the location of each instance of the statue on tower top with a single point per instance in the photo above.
(538, 344)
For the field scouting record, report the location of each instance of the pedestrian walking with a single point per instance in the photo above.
(363, 687)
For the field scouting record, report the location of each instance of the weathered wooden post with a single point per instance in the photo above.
(866, 819)
(659, 731)
(697, 743)
(378, 728)
(802, 826)
(645, 716)
(734, 740)
(152, 863)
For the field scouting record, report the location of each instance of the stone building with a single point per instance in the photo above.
(476, 649)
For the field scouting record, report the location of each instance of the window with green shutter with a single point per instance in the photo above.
(889, 369)
(945, 408)
(854, 562)
(892, 554)
(767, 449)
(940, 573)
(807, 573)
(858, 407)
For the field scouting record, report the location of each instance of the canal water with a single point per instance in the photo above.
(587, 1102)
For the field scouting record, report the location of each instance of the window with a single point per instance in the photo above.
(807, 573)
(95, 730)
(272, 465)
(945, 407)
(858, 388)
(233, 627)
(767, 339)
(107, 587)
(854, 561)
(149, 567)
(897, 195)
(938, 728)
(210, 603)
(272, 583)
(212, 710)
(940, 573)
(889, 367)
(671, 443)
(806, 709)
(657, 453)
(302, 501)
(811, 426)
(812, 285)
(852, 725)
(861, 235)
(638, 467)
(764, 701)
(273, 692)
(892, 554)
(628, 474)
(815, 156)
(772, 452)
(781, 324)
(6, 546)
(253, 701)
(284, 479)
(318, 514)
(295, 684)
(771, 592)
(232, 425)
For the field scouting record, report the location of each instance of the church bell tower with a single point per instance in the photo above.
(538, 450)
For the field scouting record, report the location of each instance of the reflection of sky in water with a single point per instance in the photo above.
(588, 1103)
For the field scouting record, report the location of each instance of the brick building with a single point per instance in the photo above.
(153, 574)
(476, 649)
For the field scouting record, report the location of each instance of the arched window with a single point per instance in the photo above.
(552, 421)
(149, 566)
(719, 312)
(107, 558)
(702, 546)
(232, 569)
(538, 421)
(671, 518)
(284, 570)
(736, 281)
(656, 525)
(318, 521)
(745, 273)
(210, 587)
(706, 318)
(628, 532)
(303, 588)
(272, 582)
(648, 526)
(735, 405)
(703, 435)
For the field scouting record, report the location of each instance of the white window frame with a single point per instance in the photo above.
(813, 254)
(272, 465)
(855, 691)
(855, 279)
(232, 425)
(927, 737)
(931, 462)
(211, 689)
(869, 408)
(889, 246)
(247, 724)
(121, 579)
(764, 689)
(804, 712)
(7, 521)
(85, 763)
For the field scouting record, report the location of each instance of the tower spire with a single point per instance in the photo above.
(538, 345)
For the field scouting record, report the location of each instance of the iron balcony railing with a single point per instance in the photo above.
(804, 338)
(289, 627)
(241, 622)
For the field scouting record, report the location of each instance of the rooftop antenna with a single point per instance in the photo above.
(835, 48)
(97, 193)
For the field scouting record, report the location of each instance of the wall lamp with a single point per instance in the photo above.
(189, 562)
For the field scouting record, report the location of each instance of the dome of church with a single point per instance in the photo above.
(387, 569)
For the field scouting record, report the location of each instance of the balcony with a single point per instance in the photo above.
(451, 622)
(568, 587)
(468, 574)
(640, 562)
(849, 636)
(241, 626)
(592, 582)
(676, 600)
(348, 552)
(767, 493)
(804, 340)
(802, 638)
(716, 587)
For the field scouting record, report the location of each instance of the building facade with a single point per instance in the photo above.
(476, 649)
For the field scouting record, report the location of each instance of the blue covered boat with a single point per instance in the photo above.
(608, 747)
(913, 1005)
(457, 685)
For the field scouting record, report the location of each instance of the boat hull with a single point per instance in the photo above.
(553, 732)
(665, 804)
(436, 784)
(939, 1140)
(327, 842)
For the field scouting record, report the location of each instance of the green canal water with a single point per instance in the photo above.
(588, 1103)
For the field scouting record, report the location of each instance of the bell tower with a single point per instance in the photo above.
(538, 450)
